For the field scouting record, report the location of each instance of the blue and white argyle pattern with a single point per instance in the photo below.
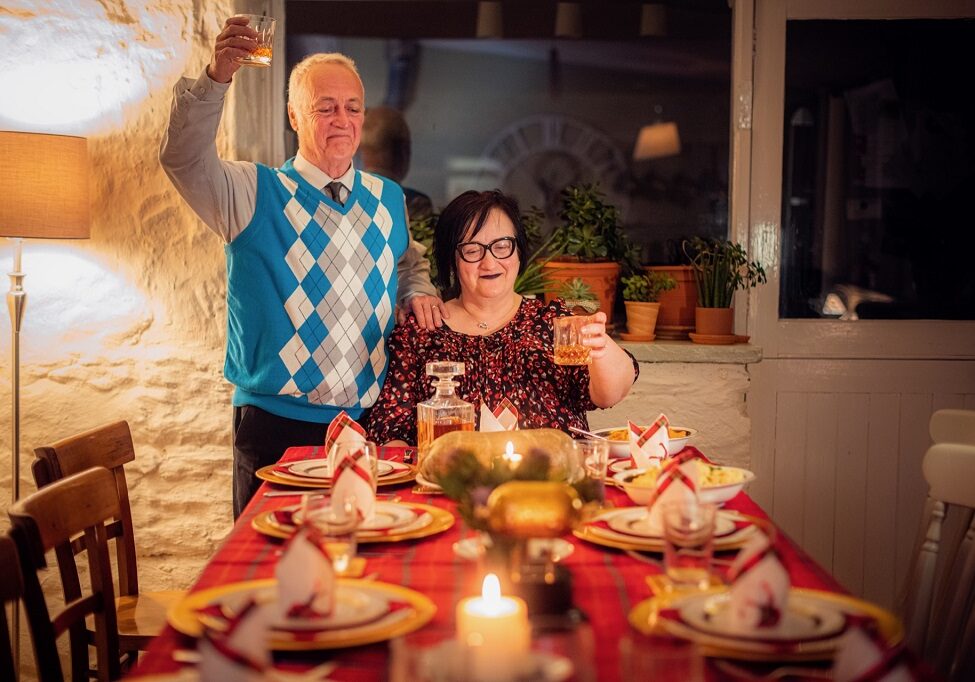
(311, 287)
(343, 300)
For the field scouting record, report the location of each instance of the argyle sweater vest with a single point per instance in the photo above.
(311, 287)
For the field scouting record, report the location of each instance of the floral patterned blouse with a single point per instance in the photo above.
(515, 362)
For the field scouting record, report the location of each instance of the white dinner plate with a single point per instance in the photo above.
(635, 521)
(387, 516)
(318, 468)
(805, 618)
(427, 483)
(354, 606)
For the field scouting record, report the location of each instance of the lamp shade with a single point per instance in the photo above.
(44, 186)
(657, 140)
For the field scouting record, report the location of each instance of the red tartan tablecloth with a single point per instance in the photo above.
(607, 583)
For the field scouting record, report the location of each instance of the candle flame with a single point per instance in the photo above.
(510, 456)
(491, 589)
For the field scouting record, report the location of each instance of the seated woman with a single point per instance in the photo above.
(504, 340)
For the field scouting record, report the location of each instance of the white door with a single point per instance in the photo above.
(839, 409)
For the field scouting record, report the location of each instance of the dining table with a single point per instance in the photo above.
(606, 584)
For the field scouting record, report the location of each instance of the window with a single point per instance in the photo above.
(879, 170)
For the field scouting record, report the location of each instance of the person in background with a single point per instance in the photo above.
(319, 255)
(505, 340)
(386, 149)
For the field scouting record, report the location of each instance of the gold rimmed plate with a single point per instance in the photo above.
(811, 630)
(401, 473)
(430, 520)
(407, 610)
(599, 532)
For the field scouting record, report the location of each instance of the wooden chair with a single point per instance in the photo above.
(78, 506)
(11, 590)
(940, 602)
(141, 615)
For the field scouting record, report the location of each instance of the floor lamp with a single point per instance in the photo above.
(43, 195)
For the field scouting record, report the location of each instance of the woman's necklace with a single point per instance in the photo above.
(481, 324)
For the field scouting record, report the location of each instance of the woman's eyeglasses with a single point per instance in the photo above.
(473, 252)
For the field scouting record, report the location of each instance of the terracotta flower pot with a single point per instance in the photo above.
(641, 320)
(601, 277)
(677, 306)
(714, 321)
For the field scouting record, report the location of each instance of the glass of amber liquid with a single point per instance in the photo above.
(444, 411)
(568, 340)
(264, 26)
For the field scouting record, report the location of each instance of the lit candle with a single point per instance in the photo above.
(510, 456)
(495, 631)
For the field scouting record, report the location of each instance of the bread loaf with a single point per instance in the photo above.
(488, 446)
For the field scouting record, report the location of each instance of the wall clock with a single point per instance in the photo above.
(540, 155)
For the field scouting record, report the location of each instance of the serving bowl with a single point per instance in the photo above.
(718, 493)
(621, 447)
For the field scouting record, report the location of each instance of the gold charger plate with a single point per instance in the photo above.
(644, 618)
(442, 520)
(184, 618)
(271, 476)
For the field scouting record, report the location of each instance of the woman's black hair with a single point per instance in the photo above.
(471, 208)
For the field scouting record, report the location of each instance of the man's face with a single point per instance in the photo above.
(328, 117)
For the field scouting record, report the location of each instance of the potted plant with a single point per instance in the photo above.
(590, 245)
(640, 294)
(579, 297)
(677, 305)
(721, 267)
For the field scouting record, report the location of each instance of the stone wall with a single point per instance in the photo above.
(129, 324)
(704, 396)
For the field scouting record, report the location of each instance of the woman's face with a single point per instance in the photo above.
(490, 277)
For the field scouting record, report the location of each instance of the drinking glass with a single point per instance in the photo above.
(261, 56)
(365, 452)
(334, 526)
(594, 455)
(688, 527)
(568, 340)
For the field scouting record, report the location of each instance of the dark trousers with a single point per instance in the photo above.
(260, 438)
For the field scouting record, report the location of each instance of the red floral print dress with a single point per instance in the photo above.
(514, 362)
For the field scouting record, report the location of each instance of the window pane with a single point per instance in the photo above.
(879, 170)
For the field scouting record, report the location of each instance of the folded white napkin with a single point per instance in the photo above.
(862, 658)
(504, 417)
(677, 480)
(306, 579)
(759, 585)
(343, 428)
(352, 478)
(649, 446)
(240, 652)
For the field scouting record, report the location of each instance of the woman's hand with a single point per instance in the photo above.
(594, 336)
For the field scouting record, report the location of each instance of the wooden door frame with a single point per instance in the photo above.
(758, 94)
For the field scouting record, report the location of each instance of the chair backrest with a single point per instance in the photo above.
(11, 590)
(51, 518)
(108, 446)
(940, 593)
(953, 426)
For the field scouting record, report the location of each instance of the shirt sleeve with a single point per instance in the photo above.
(393, 417)
(222, 193)
(413, 269)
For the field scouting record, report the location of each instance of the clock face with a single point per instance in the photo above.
(541, 155)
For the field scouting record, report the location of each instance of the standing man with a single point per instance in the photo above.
(318, 255)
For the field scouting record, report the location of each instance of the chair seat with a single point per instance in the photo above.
(141, 617)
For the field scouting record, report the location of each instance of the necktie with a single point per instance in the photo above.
(335, 191)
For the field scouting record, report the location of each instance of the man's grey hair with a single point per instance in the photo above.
(296, 81)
